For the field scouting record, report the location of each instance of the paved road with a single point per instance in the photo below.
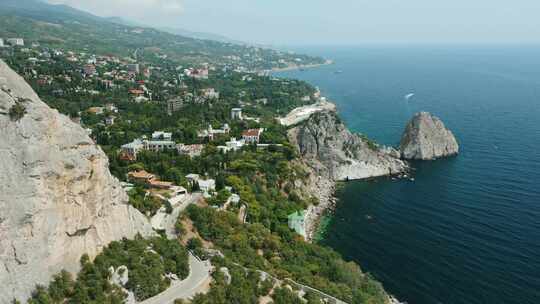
(195, 283)
(167, 222)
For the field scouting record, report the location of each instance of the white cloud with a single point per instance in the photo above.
(155, 11)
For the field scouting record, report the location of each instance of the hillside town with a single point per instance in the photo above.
(108, 87)
(200, 145)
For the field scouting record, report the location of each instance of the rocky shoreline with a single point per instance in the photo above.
(324, 190)
(331, 153)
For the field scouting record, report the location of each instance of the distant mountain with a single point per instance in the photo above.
(177, 31)
(200, 35)
(40, 9)
(123, 21)
(61, 26)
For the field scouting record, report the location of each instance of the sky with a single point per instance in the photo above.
(337, 22)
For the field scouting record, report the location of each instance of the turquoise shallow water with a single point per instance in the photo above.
(467, 230)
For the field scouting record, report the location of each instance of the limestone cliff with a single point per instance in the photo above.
(329, 153)
(426, 138)
(334, 152)
(58, 199)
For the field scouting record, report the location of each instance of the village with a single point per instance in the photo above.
(111, 82)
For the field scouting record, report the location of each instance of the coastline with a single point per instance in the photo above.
(322, 185)
(298, 67)
(323, 189)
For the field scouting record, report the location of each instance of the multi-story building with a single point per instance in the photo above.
(252, 136)
(159, 145)
(130, 151)
(174, 105)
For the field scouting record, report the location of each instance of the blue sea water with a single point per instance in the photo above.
(467, 230)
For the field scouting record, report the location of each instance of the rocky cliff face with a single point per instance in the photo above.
(426, 138)
(333, 151)
(58, 199)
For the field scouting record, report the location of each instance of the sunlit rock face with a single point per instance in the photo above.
(58, 199)
(333, 151)
(426, 138)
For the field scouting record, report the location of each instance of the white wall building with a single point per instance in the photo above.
(159, 145)
(252, 136)
(15, 41)
(210, 93)
(236, 113)
(207, 186)
(211, 132)
(232, 145)
(160, 135)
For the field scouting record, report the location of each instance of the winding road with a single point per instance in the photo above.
(196, 282)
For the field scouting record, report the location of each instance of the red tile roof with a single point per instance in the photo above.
(252, 132)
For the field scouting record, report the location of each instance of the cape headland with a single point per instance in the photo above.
(331, 153)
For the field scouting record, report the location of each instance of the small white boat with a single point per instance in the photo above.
(409, 96)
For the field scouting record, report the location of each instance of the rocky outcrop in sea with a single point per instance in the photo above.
(427, 138)
(58, 199)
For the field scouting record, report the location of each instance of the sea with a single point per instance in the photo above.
(467, 229)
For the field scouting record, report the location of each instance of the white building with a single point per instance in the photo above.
(236, 113)
(232, 145)
(160, 141)
(207, 186)
(15, 41)
(211, 132)
(1, 42)
(160, 135)
(140, 99)
(159, 145)
(210, 93)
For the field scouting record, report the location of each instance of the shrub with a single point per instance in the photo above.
(17, 111)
